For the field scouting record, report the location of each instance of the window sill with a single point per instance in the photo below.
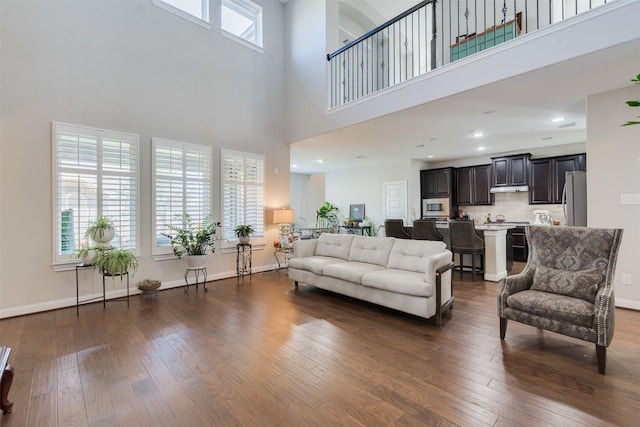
(242, 41)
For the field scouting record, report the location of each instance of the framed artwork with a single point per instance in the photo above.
(356, 212)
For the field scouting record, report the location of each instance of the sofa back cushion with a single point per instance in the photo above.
(372, 250)
(334, 245)
(411, 255)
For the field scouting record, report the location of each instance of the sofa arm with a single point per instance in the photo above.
(603, 321)
(304, 248)
(434, 262)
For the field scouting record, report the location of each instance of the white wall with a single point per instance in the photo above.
(127, 66)
(613, 164)
(307, 195)
(364, 185)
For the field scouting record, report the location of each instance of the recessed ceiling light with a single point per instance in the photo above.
(478, 134)
(557, 119)
(319, 161)
(480, 148)
(294, 166)
(430, 156)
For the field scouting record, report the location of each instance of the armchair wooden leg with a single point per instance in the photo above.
(601, 355)
(503, 327)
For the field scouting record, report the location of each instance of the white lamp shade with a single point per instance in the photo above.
(283, 216)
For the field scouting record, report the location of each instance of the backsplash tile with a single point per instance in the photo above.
(514, 207)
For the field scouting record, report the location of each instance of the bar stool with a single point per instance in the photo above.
(395, 228)
(425, 229)
(466, 241)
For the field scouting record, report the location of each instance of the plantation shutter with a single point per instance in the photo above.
(242, 193)
(182, 184)
(95, 174)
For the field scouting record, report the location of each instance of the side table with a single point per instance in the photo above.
(285, 252)
(196, 272)
(244, 253)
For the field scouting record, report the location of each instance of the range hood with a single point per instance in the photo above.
(510, 189)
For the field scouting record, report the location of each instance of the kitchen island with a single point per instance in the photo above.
(495, 248)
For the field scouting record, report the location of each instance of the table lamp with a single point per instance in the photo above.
(284, 217)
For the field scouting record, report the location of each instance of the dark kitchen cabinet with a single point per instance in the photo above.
(547, 177)
(519, 245)
(435, 183)
(473, 185)
(510, 170)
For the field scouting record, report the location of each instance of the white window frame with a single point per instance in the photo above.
(251, 11)
(193, 195)
(100, 165)
(203, 20)
(227, 157)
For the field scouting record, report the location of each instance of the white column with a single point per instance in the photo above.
(495, 254)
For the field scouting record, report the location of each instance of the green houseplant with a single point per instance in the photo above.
(101, 231)
(116, 261)
(327, 216)
(243, 232)
(192, 238)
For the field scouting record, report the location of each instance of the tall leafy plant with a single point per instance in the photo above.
(635, 103)
(190, 237)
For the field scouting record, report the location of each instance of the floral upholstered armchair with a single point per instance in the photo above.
(566, 286)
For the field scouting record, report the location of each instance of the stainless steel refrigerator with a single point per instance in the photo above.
(574, 199)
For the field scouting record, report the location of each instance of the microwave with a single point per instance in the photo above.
(436, 208)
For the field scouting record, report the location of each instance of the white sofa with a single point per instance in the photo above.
(413, 276)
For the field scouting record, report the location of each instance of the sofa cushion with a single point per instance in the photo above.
(314, 264)
(553, 306)
(372, 250)
(334, 245)
(411, 255)
(578, 284)
(351, 271)
(399, 281)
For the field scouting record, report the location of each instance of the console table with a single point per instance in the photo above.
(353, 230)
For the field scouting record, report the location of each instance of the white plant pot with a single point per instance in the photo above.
(103, 241)
(244, 239)
(90, 258)
(196, 261)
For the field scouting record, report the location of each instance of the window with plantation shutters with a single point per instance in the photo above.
(95, 174)
(242, 193)
(181, 184)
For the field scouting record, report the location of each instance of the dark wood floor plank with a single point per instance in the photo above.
(261, 353)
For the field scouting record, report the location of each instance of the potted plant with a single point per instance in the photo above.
(327, 216)
(86, 254)
(192, 239)
(101, 231)
(243, 233)
(116, 261)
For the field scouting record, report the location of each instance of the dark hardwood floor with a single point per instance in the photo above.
(258, 353)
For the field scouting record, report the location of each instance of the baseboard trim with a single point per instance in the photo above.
(133, 290)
